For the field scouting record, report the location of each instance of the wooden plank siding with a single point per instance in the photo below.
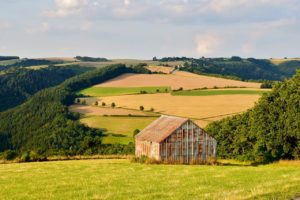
(187, 143)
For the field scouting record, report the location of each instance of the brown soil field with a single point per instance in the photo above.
(166, 70)
(93, 110)
(203, 109)
(179, 79)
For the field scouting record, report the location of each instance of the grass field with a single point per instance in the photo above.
(217, 92)
(116, 91)
(119, 129)
(183, 80)
(9, 62)
(120, 179)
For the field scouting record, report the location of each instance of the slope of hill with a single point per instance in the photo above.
(45, 125)
(270, 131)
(18, 85)
(243, 69)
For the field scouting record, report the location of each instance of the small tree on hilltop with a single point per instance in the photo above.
(103, 104)
(141, 108)
(113, 105)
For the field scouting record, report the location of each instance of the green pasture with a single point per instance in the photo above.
(120, 179)
(118, 129)
(211, 92)
(117, 91)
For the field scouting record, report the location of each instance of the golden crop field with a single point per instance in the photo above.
(200, 108)
(99, 110)
(166, 70)
(179, 79)
(278, 61)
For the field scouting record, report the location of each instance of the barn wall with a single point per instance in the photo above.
(189, 143)
(146, 148)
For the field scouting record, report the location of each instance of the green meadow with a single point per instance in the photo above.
(118, 129)
(216, 92)
(120, 179)
(116, 91)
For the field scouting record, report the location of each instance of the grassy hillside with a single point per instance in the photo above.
(120, 179)
(116, 91)
(118, 129)
(270, 131)
(216, 92)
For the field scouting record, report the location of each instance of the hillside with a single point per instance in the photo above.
(270, 131)
(239, 68)
(43, 123)
(19, 84)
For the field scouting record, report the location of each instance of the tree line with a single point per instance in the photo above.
(268, 132)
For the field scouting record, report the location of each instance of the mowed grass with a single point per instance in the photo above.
(120, 179)
(116, 91)
(118, 129)
(216, 92)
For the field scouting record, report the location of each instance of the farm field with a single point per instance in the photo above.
(218, 92)
(166, 70)
(100, 111)
(115, 91)
(118, 129)
(121, 179)
(278, 61)
(203, 109)
(183, 80)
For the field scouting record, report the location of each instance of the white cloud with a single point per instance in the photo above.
(208, 43)
(66, 7)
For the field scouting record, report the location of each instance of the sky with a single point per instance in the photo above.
(142, 29)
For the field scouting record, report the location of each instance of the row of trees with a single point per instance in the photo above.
(270, 131)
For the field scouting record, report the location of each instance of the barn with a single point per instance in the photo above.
(175, 140)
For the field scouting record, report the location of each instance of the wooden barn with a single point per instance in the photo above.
(176, 140)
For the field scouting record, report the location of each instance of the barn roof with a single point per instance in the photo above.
(161, 128)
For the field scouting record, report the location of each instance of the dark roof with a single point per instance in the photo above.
(161, 128)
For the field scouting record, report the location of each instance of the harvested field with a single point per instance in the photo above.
(195, 107)
(100, 111)
(118, 129)
(186, 81)
(166, 70)
(220, 92)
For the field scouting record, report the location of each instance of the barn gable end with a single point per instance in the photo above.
(175, 139)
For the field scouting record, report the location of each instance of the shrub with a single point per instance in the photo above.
(96, 103)
(152, 109)
(113, 105)
(135, 132)
(142, 108)
(25, 157)
(9, 155)
(103, 104)
(157, 90)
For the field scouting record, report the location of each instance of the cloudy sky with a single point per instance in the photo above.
(147, 28)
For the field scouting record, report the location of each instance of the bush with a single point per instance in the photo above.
(135, 132)
(103, 104)
(152, 109)
(113, 105)
(142, 108)
(9, 155)
(25, 157)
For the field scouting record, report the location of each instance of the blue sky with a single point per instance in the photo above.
(146, 28)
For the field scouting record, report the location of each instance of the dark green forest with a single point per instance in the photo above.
(28, 63)
(9, 58)
(44, 125)
(270, 131)
(19, 84)
(238, 68)
(91, 59)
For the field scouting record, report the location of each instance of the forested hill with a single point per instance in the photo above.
(19, 84)
(240, 68)
(43, 123)
(270, 131)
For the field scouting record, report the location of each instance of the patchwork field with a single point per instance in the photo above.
(118, 129)
(120, 179)
(100, 111)
(201, 108)
(115, 91)
(183, 80)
